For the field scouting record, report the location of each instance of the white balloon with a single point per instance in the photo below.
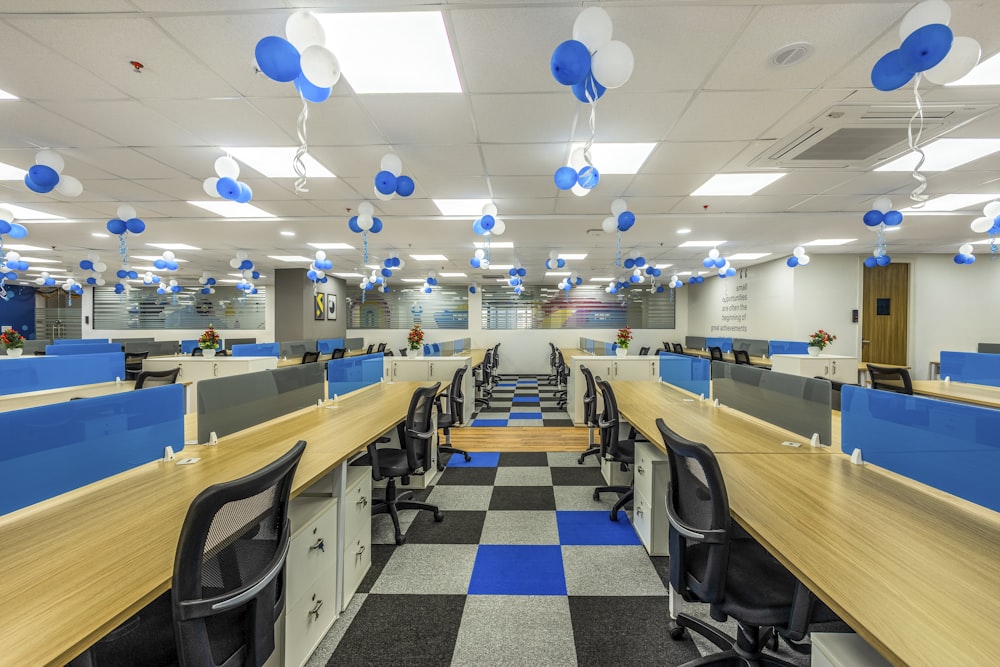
(169, 255)
(69, 186)
(320, 66)
(612, 64)
(380, 196)
(965, 249)
(553, 255)
(877, 252)
(201, 280)
(727, 265)
(227, 167)
(365, 222)
(579, 191)
(93, 256)
(401, 264)
(926, 13)
(392, 164)
(609, 225)
(173, 283)
(39, 281)
(101, 282)
(618, 206)
(714, 253)
(365, 208)
(803, 260)
(992, 209)
(5, 214)
(235, 263)
(499, 227)
(126, 212)
(66, 286)
(364, 282)
(981, 225)
(242, 255)
(50, 159)
(480, 253)
(321, 255)
(100, 267)
(13, 256)
(882, 204)
(248, 274)
(799, 251)
(964, 55)
(432, 274)
(211, 290)
(211, 186)
(577, 159)
(45, 274)
(722, 272)
(490, 209)
(303, 30)
(673, 284)
(592, 27)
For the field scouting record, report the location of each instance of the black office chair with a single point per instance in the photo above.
(402, 351)
(551, 379)
(228, 581)
(156, 378)
(338, 353)
(310, 357)
(197, 352)
(381, 347)
(715, 353)
(133, 364)
(678, 348)
(497, 378)
(390, 353)
(890, 379)
(414, 457)
(370, 348)
(714, 561)
(742, 357)
(446, 420)
(644, 351)
(484, 383)
(589, 414)
(562, 380)
(222, 353)
(613, 449)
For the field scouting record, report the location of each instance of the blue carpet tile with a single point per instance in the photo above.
(522, 401)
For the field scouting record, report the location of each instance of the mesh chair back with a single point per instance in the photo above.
(381, 347)
(418, 428)
(589, 398)
(370, 348)
(456, 398)
(715, 353)
(228, 583)
(197, 352)
(644, 350)
(890, 379)
(156, 378)
(742, 357)
(698, 512)
(310, 357)
(609, 422)
(402, 351)
(496, 356)
(338, 353)
(678, 348)
(135, 356)
(486, 368)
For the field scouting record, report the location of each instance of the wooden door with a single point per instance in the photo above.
(886, 314)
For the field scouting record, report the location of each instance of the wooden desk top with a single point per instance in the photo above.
(763, 362)
(33, 399)
(976, 394)
(78, 565)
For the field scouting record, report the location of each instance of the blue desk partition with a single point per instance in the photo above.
(689, 373)
(950, 446)
(81, 341)
(257, 350)
(66, 349)
(188, 346)
(52, 449)
(39, 373)
(972, 367)
(725, 343)
(787, 347)
(328, 345)
(353, 373)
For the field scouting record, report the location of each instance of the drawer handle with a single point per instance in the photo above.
(638, 510)
(319, 545)
(315, 610)
(361, 551)
(640, 470)
(363, 502)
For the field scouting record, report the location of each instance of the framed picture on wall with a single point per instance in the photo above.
(331, 306)
(319, 306)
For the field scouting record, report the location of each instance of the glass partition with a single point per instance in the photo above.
(51, 449)
(787, 347)
(256, 350)
(81, 341)
(695, 342)
(688, 373)
(51, 372)
(971, 367)
(84, 348)
(950, 446)
(294, 349)
(328, 345)
(753, 347)
(801, 405)
(353, 373)
(725, 343)
(229, 342)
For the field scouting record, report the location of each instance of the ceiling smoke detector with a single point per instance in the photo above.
(791, 54)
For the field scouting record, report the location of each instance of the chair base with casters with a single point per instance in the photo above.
(625, 496)
(445, 423)
(393, 503)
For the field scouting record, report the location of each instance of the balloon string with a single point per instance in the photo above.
(572, 135)
(364, 236)
(880, 243)
(918, 193)
(123, 249)
(298, 164)
(618, 250)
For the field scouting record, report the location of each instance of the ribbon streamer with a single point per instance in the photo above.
(618, 250)
(364, 237)
(298, 164)
(123, 249)
(918, 193)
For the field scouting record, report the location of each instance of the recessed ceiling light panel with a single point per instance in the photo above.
(944, 154)
(736, 185)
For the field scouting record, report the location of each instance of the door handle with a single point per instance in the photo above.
(864, 341)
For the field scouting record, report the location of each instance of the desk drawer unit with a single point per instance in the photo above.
(310, 576)
(357, 555)
(308, 618)
(652, 474)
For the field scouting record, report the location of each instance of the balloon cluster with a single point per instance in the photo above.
(45, 280)
(989, 224)
(225, 185)
(881, 216)
(488, 224)
(126, 222)
(148, 278)
(716, 261)
(798, 258)
(431, 282)
(9, 227)
(676, 281)
(46, 175)
(94, 264)
(71, 287)
(365, 222)
(241, 262)
(479, 260)
(620, 220)
(566, 284)
(11, 262)
(929, 48)
(391, 180)
(206, 281)
(965, 255)
(318, 268)
(167, 261)
(473, 288)
(173, 287)
(375, 282)
(554, 261)
(516, 275)
(302, 58)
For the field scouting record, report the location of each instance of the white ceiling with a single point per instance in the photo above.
(702, 90)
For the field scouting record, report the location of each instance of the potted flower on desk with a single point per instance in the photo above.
(818, 340)
(624, 336)
(415, 340)
(209, 341)
(13, 342)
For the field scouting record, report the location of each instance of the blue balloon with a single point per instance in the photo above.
(324, 279)
(625, 221)
(522, 272)
(634, 278)
(206, 290)
(588, 90)
(34, 187)
(720, 262)
(512, 272)
(135, 225)
(884, 260)
(160, 264)
(10, 275)
(561, 263)
(278, 59)
(156, 279)
(656, 273)
(119, 288)
(889, 73)
(925, 47)
(995, 229)
(475, 262)
(86, 264)
(17, 231)
(730, 272)
(122, 273)
(873, 218)
(117, 226)
(477, 227)
(255, 275)
(648, 271)
(176, 288)
(432, 281)
(386, 273)
(49, 282)
(565, 178)
(4, 227)
(172, 265)
(472, 289)
(352, 224)
(311, 92)
(708, 262)
(245, 195)
(579, 280)
(570, 62)
(659, 289)
(427, 290)
(43, 176)
(959, 258)
(487, 222)
(228, 188)
(629, 263)
(404, 186)
(589, 177)
(91, 280)
(640, 262)
(893, 218)
(133, 275)
(385, 182)
(246, 265)
(970, 259)
(792, 262)
(376, 225)
(311, 275)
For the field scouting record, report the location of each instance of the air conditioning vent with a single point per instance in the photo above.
(854, 144)
(494, 276)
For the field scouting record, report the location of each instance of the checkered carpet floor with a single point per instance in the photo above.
(524, 400)
(525, 569)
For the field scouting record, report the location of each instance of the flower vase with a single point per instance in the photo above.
(208, 352)
(419, 351)
(621, 351)
(14, 351)
(814, 350)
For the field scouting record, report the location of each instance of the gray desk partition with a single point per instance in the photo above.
(354, 343)
(989, 348)
(753, 347)
(294, 349)
(230, 404)
(161, 348)
(695, 342)
(38, 345)
(799, 404)
(229, 342)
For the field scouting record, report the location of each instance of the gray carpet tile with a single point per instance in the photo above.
(466, 498)
(611, 571)
(521, 476)
(438, 569)
(506, 630)
(520, 527)
(380, 556)
(321, 656)
(581, 498)
(569, 460)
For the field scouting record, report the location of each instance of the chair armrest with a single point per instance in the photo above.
(373, 455)
(706, 537)
(410, 433)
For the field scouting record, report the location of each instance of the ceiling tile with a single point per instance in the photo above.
(525, 118)
(731, 116)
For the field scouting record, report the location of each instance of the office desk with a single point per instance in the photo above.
(76, 566)
(33, 399)
(913, 570)
(763, 362)
(193, 369)
(976, 394)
